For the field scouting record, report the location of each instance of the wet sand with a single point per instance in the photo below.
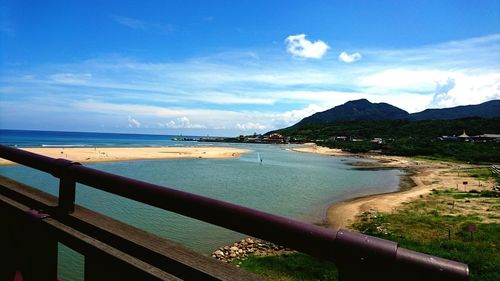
(426, 175)
(110, 154)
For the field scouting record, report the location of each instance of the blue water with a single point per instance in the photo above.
(291, 184)
(21, 138)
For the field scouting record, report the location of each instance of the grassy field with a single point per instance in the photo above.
(294, 266)
(435, 224)
(484, 174)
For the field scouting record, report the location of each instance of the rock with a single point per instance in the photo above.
(248, 246)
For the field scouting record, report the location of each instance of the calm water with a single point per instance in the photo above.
(291, 184)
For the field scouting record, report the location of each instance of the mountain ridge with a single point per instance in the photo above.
(363, 109)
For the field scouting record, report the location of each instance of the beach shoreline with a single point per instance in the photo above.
(119, 154)
(422, 177)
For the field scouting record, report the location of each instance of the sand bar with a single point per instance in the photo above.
(316, 149)
(111, 154)
(426, 175)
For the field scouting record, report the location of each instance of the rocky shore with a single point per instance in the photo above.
(246, 247)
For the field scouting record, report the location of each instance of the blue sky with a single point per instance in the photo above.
(232, 67)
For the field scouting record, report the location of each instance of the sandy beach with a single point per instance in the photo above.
(426, 175)
(109, 154)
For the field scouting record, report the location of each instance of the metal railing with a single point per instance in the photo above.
(357, 256)
(495, 169)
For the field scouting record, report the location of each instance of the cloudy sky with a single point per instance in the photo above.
(232, 67)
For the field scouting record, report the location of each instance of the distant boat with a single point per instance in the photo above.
(259, 158)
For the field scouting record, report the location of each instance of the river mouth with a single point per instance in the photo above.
(296, 185)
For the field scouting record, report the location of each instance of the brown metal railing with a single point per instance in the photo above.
(357, 256)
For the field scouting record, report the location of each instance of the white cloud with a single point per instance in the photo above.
(293, 116)
(226, 98)
(248, 126)
(299, 46)
(210, 118)
(442, 90)
(461, 89)
(133, 123)
(182, 122)
(345, 57)
(70, 78)
(404, 79)
(231, 88)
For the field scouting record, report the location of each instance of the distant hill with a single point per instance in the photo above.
(356, 110)
(404, 134)
(489, 109)
(359, 110)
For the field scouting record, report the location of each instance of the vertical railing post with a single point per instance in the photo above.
(66, 200)
(67, 186)
(39, 247)
(28, 249)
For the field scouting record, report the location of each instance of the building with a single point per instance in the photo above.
(275, 138)
(377, 141)
(487, 137)
(464, 137)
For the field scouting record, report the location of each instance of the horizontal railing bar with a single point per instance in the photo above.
(30, 159)
(164, 254)
(76, 240)
(300, 236)
(307, 238)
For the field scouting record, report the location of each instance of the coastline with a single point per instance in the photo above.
(118, 154)
(421, 178)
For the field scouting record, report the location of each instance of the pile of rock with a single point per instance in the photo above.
(249, 246)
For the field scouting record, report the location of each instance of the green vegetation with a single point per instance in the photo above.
(294, 266)
(408, 138)
(484, 175)
(435, 224)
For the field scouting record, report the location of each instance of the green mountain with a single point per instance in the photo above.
(362, 109)
(418, 134)
(356, 110)
(489, 109)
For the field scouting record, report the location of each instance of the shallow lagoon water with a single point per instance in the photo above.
(287, 183)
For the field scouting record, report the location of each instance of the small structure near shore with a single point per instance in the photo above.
(464, 137)
(275, 138)
(476, 138)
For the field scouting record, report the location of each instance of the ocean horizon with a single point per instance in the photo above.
(296, 185)
(42, 138)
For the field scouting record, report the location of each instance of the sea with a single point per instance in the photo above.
(291, 184)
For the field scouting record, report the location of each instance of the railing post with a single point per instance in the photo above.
(40, 246)
(358, 256)
(67, 186)
(66, 200)
(27, 248)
